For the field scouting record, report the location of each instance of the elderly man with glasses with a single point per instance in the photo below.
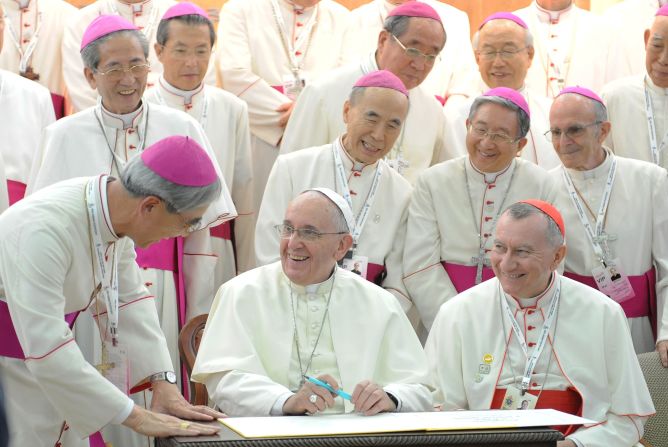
(102, 139)
(408, 46)
(617, 213)
(275, 329)
(455, 204)
(504, 50)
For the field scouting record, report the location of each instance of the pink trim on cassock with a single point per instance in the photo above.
(222, 231)
(463, 276)
(642, 305)
(58, 105)
(15, 190)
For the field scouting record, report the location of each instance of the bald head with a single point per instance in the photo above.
(656, 51)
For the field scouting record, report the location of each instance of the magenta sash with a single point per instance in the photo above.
(15, 190)
(58, 105)
(278, 87)
(222, 231)
(463, 276)
(644, 286)
(375, 273)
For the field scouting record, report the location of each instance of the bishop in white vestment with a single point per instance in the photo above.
(577, 339)
(451, 71)
(455, 204)
(273, 327)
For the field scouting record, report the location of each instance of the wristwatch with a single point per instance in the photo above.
(167, 376)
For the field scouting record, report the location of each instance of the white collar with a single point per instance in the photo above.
(546, 15)
(186, 95)
(122, 121)
(490, 177)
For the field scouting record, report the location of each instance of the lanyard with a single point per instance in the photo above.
(152, 20)
(304, 36)
(342, 182)
(27, 54)
(594, 237)
(205, 107)
(532, 359)
(651, 127)
(108, 276)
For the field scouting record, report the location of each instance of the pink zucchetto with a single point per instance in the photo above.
(550, 210)
(511, 95)
(184, 9)
(582, 92)
(180, 160)
(382, 79)
(504, 16)
(103, 25)
(416, 9)
(663, 11)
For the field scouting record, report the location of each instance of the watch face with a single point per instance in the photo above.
(171, 377)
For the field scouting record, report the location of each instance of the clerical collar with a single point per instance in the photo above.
(546, 15)
(312, 289)
(348, 161)
(137, 8)
(121, 121)
(653, 87)
(491, 177)
(534, 301)
(600, 171)
(298, 9)
(186, 95)
(23, 4)
(106, 230)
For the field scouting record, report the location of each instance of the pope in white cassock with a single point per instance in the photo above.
(33, 35)
(451, 72)
(455, 204)
(268, 50)
(408, 46)
(617, 215)
(272, 328)
(503, 50)
(26, 110)
(69, 250)
(184, 41)
(353, 166)
(573, 47)
(638, 105)
(115, 131)
(532, 335)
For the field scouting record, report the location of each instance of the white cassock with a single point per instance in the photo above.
(253, 63)
(317, 119)
(224, 118)
(75, 146)
(249, 376)
(627, 111)
(32, 38)
(45, 266)
(449, 76)
(25, 107)
(637, 219)
(632, 17)
(572, 48)
(452, 204)
(537, 150)
(382, 237)
(4, 195)
(474, 356)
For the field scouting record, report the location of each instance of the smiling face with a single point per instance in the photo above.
(123, 95)
(656, 52)
(485, 154)
(186, 54)
(523, 258)
(503, 71)
(373, 123)
(311, 262)
(425, 35)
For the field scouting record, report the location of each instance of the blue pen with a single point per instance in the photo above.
(328, 387)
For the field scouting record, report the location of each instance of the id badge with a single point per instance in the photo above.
(612, 281)
(356, 264)
(514, 400)
(114, 366)
(293, 86)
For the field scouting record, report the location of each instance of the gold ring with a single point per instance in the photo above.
(184, 425)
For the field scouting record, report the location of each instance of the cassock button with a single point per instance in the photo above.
(25, 41)
(26, 25)
(530, 312)
(298, 53)
(300, 24)
(531, 328)
(131, 131)
(531, 344)
(534, 384)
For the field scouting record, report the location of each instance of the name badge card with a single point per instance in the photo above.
(611, 280)
(115, 367)
(356, 264)
(515, 400)
(293, 85)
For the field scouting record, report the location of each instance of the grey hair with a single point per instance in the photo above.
(140, 181)
(90, 55)
(520, 210)
(337, 217)
(355, 95)
(523, 120)
(398, 25)
(528, 39)
(162, 35)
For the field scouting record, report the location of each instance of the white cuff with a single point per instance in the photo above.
(398, 409)
(277, 408)
(578, 443)
(124, 413)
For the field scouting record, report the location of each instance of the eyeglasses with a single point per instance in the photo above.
(572, 132)
(414, 53)
(116, 74)
(505, 54)
(181, 54)
(189, 226)
(481, 132)
(286, 231)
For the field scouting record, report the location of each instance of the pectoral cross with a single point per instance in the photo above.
(602, 239)
(480, 262)
(105, 365)
(30, 74)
